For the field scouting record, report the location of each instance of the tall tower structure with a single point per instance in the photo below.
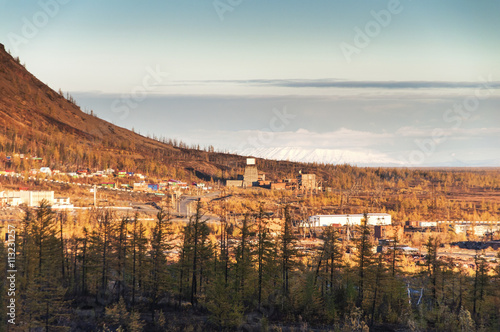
(307, 181)
(251, 173)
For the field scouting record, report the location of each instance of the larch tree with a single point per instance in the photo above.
(138, 247)
(433, 265)
(264, 250)
(161, 237)
(363, 257)
(244, 257)
(43, 300)
(120, 243)
(100, 252)
(195, 252)
(481, 280)
(288, 242)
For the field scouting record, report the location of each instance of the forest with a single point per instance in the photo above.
(105, 272)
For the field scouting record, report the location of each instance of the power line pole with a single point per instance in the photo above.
(94, 190)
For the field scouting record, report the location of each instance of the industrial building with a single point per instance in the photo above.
(307, 181)
(250, 178)
(10, 198)
(253, 178)
(477, 228)
(234, 183)
(251, 174)
(62, 203)
(34, 198)
(27, 197)
(338, 220)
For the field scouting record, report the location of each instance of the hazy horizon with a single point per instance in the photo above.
(380, 83)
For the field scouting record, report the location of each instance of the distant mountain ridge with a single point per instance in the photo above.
(361, 158)
(324, 156)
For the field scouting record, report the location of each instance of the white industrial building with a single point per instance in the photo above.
(27, 197)
(62, 203)
(34, 198)
(478, 228)
(10, 198)
(374, 219)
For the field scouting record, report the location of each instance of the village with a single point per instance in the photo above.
(180, 197)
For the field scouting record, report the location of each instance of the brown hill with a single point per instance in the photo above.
(36, 120)
(28, 105)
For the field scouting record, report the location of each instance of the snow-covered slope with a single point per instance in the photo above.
(327, 156)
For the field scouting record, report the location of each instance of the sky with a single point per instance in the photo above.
(391, 83)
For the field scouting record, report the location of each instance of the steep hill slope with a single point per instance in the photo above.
(27, 104)
(36, 120)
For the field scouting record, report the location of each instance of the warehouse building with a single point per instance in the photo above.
(338, 220)
(27, 197)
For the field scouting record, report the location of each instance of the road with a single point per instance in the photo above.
(187, 205)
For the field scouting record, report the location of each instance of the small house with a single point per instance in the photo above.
(45, 170)
(153, 186)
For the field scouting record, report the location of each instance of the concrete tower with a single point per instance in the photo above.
(251, 173)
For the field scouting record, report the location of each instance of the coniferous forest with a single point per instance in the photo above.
(121, 273)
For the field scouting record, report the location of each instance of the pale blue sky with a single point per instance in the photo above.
(229, 74)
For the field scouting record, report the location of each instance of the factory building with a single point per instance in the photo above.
(253, 178)
(234, 183)
(250, 178)
(307, 181)
(477, 228)
(34, 198)
(338, 220)
(10, 198)
(27, 197)
(251, 174)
